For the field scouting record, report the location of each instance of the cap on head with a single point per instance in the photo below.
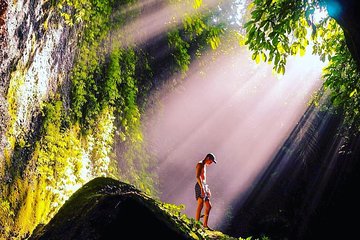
(211, 156)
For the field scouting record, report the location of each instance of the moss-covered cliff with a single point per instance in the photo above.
(57, 130)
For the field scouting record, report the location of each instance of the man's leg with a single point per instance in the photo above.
(200, 203)
(207, 212)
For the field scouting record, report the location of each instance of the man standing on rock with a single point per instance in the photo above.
(202, 190)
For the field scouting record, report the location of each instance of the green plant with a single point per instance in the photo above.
(278, 29)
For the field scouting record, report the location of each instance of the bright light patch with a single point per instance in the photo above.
(319, 15)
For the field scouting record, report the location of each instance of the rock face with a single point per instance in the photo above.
(105, 208)
(37, 53)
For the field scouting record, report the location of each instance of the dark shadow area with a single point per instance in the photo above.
(309, 189)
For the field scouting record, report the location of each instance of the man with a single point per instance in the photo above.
(202, 190)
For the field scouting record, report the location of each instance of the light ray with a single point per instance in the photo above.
(236, 109)
(156, 17)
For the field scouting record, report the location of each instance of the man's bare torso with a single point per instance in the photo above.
(202, 171)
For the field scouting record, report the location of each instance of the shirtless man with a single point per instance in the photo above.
(202, 190)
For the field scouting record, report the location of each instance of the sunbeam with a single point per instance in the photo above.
(234, 108)
(157, 16)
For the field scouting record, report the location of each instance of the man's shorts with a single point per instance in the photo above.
(198, 192)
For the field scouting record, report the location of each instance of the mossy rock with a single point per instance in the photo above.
(105, 208)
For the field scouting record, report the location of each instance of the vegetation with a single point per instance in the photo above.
(197, 30)
(278, 29)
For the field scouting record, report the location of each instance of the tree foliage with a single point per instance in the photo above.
(197, 30)
(280, 28)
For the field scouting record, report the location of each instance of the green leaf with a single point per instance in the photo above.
(257, 58)
(197, 4)
(302, 51)
(353, 93)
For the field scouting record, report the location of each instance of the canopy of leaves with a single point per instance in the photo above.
(280, 28)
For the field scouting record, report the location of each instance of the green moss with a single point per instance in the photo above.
(13, 98)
